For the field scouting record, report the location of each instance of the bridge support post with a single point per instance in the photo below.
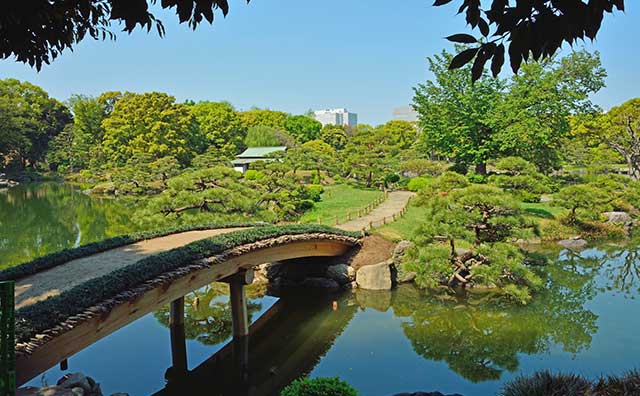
(178, 341)
(240, 322)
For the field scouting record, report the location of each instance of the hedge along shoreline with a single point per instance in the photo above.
(48, 315)
(64, 256)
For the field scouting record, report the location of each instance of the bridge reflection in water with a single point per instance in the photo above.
(285, 343)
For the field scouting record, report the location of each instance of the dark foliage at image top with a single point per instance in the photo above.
(525, 29)
(37, 31)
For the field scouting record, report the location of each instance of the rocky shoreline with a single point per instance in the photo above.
(6, 182)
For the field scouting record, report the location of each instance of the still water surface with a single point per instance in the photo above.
(380, 342)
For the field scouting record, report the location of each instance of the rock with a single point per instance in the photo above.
(406, 277)
(274, 270)
(401, 248)
(260, 274)
(78, 380)
(618, 217)
(341, 273)
(77, 391)
(375, 277)
(573, 244)
(120, 394)
(320, 283)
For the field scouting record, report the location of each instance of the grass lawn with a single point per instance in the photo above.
(542, 210)
(338, 200)
(404, 227)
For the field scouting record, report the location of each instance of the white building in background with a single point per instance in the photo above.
(405, 114)
(336, 117)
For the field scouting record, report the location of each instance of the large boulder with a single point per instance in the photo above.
(618, 217)
(376, 277)
(341, 273)
(573, 243)
(320, 283)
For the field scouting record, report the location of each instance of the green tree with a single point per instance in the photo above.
(620, 130)
(265, 136)
(222, 126)
(583, 201)
(370, 156)
(89, 112)
(456, 116)
(404, 132)
(303, 128)
(527, 116)
(334, 135)
(486, 217)
(263, 117)
(208, 194)
(30, 120)
(534, 119)
(153, 124)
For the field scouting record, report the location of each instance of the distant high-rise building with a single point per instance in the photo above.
(405, 114)
(336, 117)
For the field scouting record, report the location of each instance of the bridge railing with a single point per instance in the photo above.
(7, 339)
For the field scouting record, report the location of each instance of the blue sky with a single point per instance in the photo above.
(296, 55)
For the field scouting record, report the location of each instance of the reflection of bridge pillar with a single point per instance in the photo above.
(240, 321)
(178, 341)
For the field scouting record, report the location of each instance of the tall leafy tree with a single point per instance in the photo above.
(303, 128)
(456, 115)
(222, 126)
(527, 116)
(404, 132)
(534, 118)
(370, 156)
(620, 130)
(153, 124)
(29, 120)
(263, 117)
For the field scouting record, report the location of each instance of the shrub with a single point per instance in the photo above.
(418, 183)
(450, 181)
(545, 383)
(421, 167)
(391, 178)
(515, 166)
(476, 178)
(253, 175)
(315, 192)
(319, 387)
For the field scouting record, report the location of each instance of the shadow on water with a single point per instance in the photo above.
(285, 343)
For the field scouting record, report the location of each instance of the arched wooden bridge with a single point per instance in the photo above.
(68, 307)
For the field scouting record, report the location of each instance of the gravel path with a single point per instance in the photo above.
(52, 282)
(394, 204)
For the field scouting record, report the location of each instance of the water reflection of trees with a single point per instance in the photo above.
(43, 218)
(480, 338)
(209, 321)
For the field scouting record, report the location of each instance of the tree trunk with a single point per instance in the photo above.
(481, 169)
(634, 169)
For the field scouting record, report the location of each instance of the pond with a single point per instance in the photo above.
(382, 343)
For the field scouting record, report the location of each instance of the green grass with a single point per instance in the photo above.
(542, 210)
(405, 227)
(338, 200)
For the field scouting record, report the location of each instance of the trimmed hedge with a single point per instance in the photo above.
(64, 256)
(47, 314)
